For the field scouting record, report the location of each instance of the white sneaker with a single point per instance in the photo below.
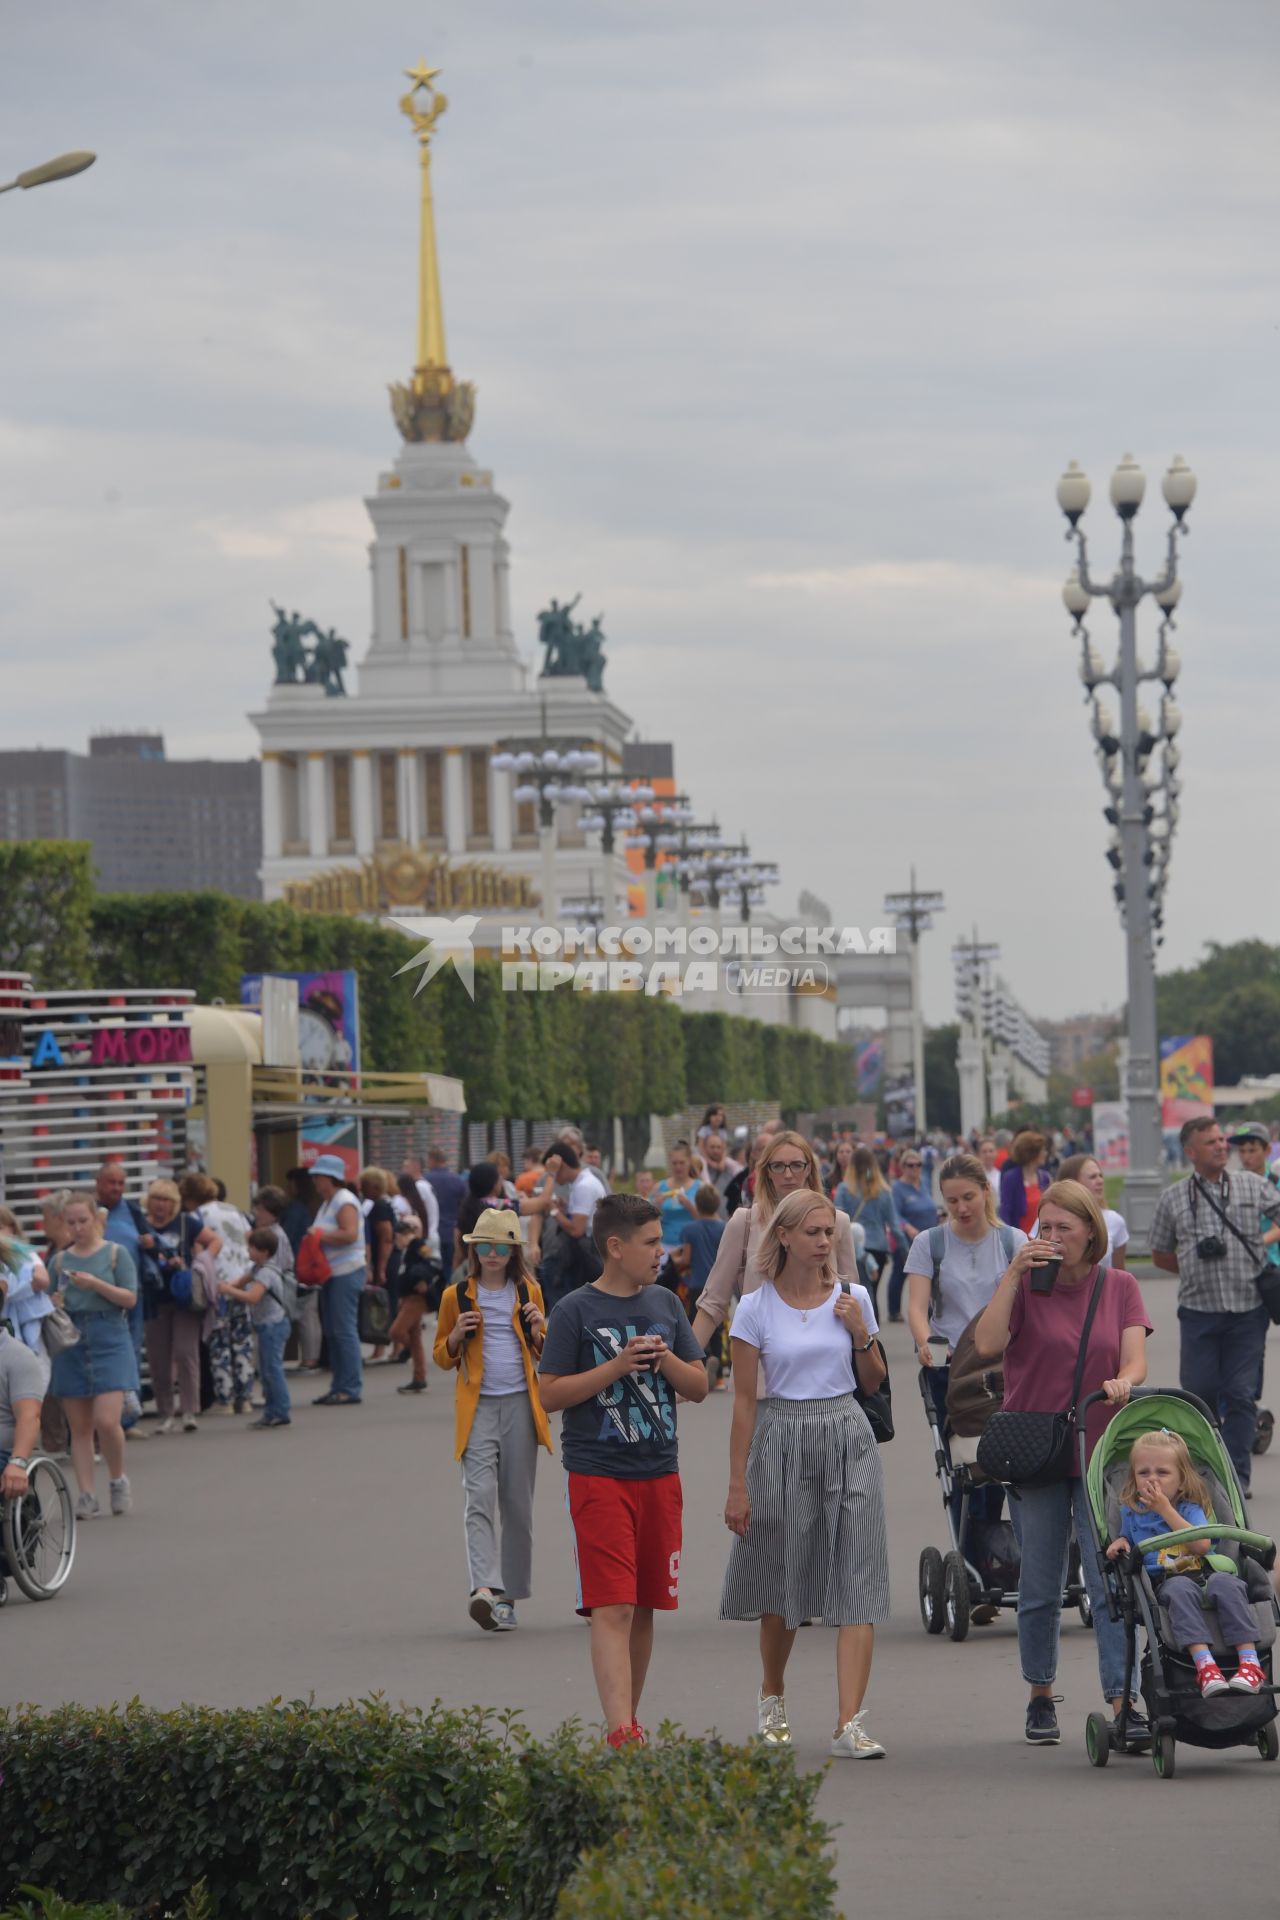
(121, 1495)
(771, 1720)
(190, 1424)
(853, 1742)
(167, 1426)
(223, 1407)
(481, 1608)
(87, 1507)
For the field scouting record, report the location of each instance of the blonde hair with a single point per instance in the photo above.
(766, 1199)
(865, 1169)
(163, 1190)
(967, 1166)
(1073, 1198)
(1190, 1486)
(375, 1177)
(789, 1216)
(9, 1222)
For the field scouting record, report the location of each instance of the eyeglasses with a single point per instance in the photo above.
(788, 1166)
(492, 1247)
(913, 1163)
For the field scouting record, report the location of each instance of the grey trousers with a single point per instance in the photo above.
(498, 1468)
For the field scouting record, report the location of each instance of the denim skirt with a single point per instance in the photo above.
(102, 1361)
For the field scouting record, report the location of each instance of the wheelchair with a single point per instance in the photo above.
(38, 1534)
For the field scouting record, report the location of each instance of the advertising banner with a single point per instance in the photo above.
(1186, 1079)
(328, 1043)
(1111, 1135)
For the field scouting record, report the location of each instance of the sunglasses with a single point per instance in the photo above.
(492, 1247)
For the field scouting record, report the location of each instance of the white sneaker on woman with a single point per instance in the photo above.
(168, 1426)
(853, 1742)
(771, 1720)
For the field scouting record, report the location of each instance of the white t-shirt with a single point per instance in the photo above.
(802, 1356)
(971, 1271)
(343, 1256)
(585, 1195)
(503, 1366)
(427, 1195)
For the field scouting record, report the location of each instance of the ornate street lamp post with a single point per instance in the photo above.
(1139, 848)
(914, 911)
(612, 811)
(550, 772)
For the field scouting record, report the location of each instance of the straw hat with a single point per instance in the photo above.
(497, 1224)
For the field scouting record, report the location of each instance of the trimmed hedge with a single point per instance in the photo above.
(360, 1812)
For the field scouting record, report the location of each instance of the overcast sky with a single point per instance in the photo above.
(784, 323)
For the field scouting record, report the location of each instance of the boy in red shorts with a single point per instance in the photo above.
(616, 1354)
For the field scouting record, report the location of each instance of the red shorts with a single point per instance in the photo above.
(627, 1537)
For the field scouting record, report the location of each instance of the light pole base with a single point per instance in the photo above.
(1138, 1197)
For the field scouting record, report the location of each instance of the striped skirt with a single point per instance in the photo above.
(816, 1546)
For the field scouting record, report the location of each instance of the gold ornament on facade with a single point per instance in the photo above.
(406, 878)
(432, 406)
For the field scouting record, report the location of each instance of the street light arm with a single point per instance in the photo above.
(1170, 574)
(1086, 581)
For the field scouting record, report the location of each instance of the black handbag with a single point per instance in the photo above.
(1036, 1449)
(877, 1406)
(1268, 1280)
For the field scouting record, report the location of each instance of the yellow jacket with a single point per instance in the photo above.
(469, 1363)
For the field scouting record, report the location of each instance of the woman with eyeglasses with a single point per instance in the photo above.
(787, 1164)
(918, 1212)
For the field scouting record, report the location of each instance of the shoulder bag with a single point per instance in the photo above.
(1036, 1449)
(877, 1406)
(311, 1263)
(58, 1330)
(1267, 1280)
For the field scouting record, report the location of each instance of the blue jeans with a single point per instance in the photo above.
(340, 1311)
(1042, 1521)
(1221, 1363)
(272, 1340)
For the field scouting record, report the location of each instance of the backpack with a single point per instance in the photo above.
(938, 1246)
(975, 1387)
(522, 1301)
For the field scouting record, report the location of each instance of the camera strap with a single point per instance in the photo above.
(1197, 1186)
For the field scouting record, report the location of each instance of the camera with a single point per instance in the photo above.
(1212, 1247)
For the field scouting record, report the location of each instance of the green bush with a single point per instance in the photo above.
(360, 1812)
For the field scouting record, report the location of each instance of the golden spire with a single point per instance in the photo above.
(434, 406)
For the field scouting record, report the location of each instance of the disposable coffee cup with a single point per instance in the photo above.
(1045, 1278)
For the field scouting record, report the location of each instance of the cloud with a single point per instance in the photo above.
(781, 340)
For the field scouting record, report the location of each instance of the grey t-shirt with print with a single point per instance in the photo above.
(21, 1378)
(628, 1430)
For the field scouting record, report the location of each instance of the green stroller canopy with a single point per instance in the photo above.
(1149, 1415)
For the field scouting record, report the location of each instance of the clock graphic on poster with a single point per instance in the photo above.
(322, 1045)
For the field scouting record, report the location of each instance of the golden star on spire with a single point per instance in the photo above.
(422, 75)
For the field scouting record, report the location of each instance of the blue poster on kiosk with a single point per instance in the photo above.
(328, 1045)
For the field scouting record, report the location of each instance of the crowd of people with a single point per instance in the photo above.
(553, 1294)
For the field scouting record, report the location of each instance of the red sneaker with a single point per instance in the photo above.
(1210, 1676)
(1248, 1678)
(631, 1736)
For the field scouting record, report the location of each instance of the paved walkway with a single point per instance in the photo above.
(326, 1559)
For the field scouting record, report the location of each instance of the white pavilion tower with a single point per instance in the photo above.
(398, 768)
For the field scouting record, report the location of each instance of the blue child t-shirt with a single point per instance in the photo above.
(627, 1431)
(1145, 1525)
(702, 1237)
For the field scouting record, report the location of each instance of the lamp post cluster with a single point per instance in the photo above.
(1135, 779)
(553, 776)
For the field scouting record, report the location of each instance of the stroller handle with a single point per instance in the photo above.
(1149, 1393)
(1211, 1530)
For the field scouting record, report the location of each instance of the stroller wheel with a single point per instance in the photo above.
(1263, 1430)
(1163, 1756)
(1269, 1741)
(1097, 1739)
(955, 1595)
(1084, 1607)
(931, 1591)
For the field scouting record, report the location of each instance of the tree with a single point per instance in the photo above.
(47, 889)
(942, 1078)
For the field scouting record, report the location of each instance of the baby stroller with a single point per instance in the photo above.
(1174, 1703)
(979, 1575)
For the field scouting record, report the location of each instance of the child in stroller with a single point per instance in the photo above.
(1164, 1494)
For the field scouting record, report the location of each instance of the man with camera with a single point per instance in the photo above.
(1213, 1230)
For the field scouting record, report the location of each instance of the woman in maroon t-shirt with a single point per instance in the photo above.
(1038, 1335)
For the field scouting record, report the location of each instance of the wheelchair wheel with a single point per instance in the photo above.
(39, 1532)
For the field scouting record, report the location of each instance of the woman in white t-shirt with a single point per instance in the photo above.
(227, 1328)
(806, 1494)
(1084, 1168)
